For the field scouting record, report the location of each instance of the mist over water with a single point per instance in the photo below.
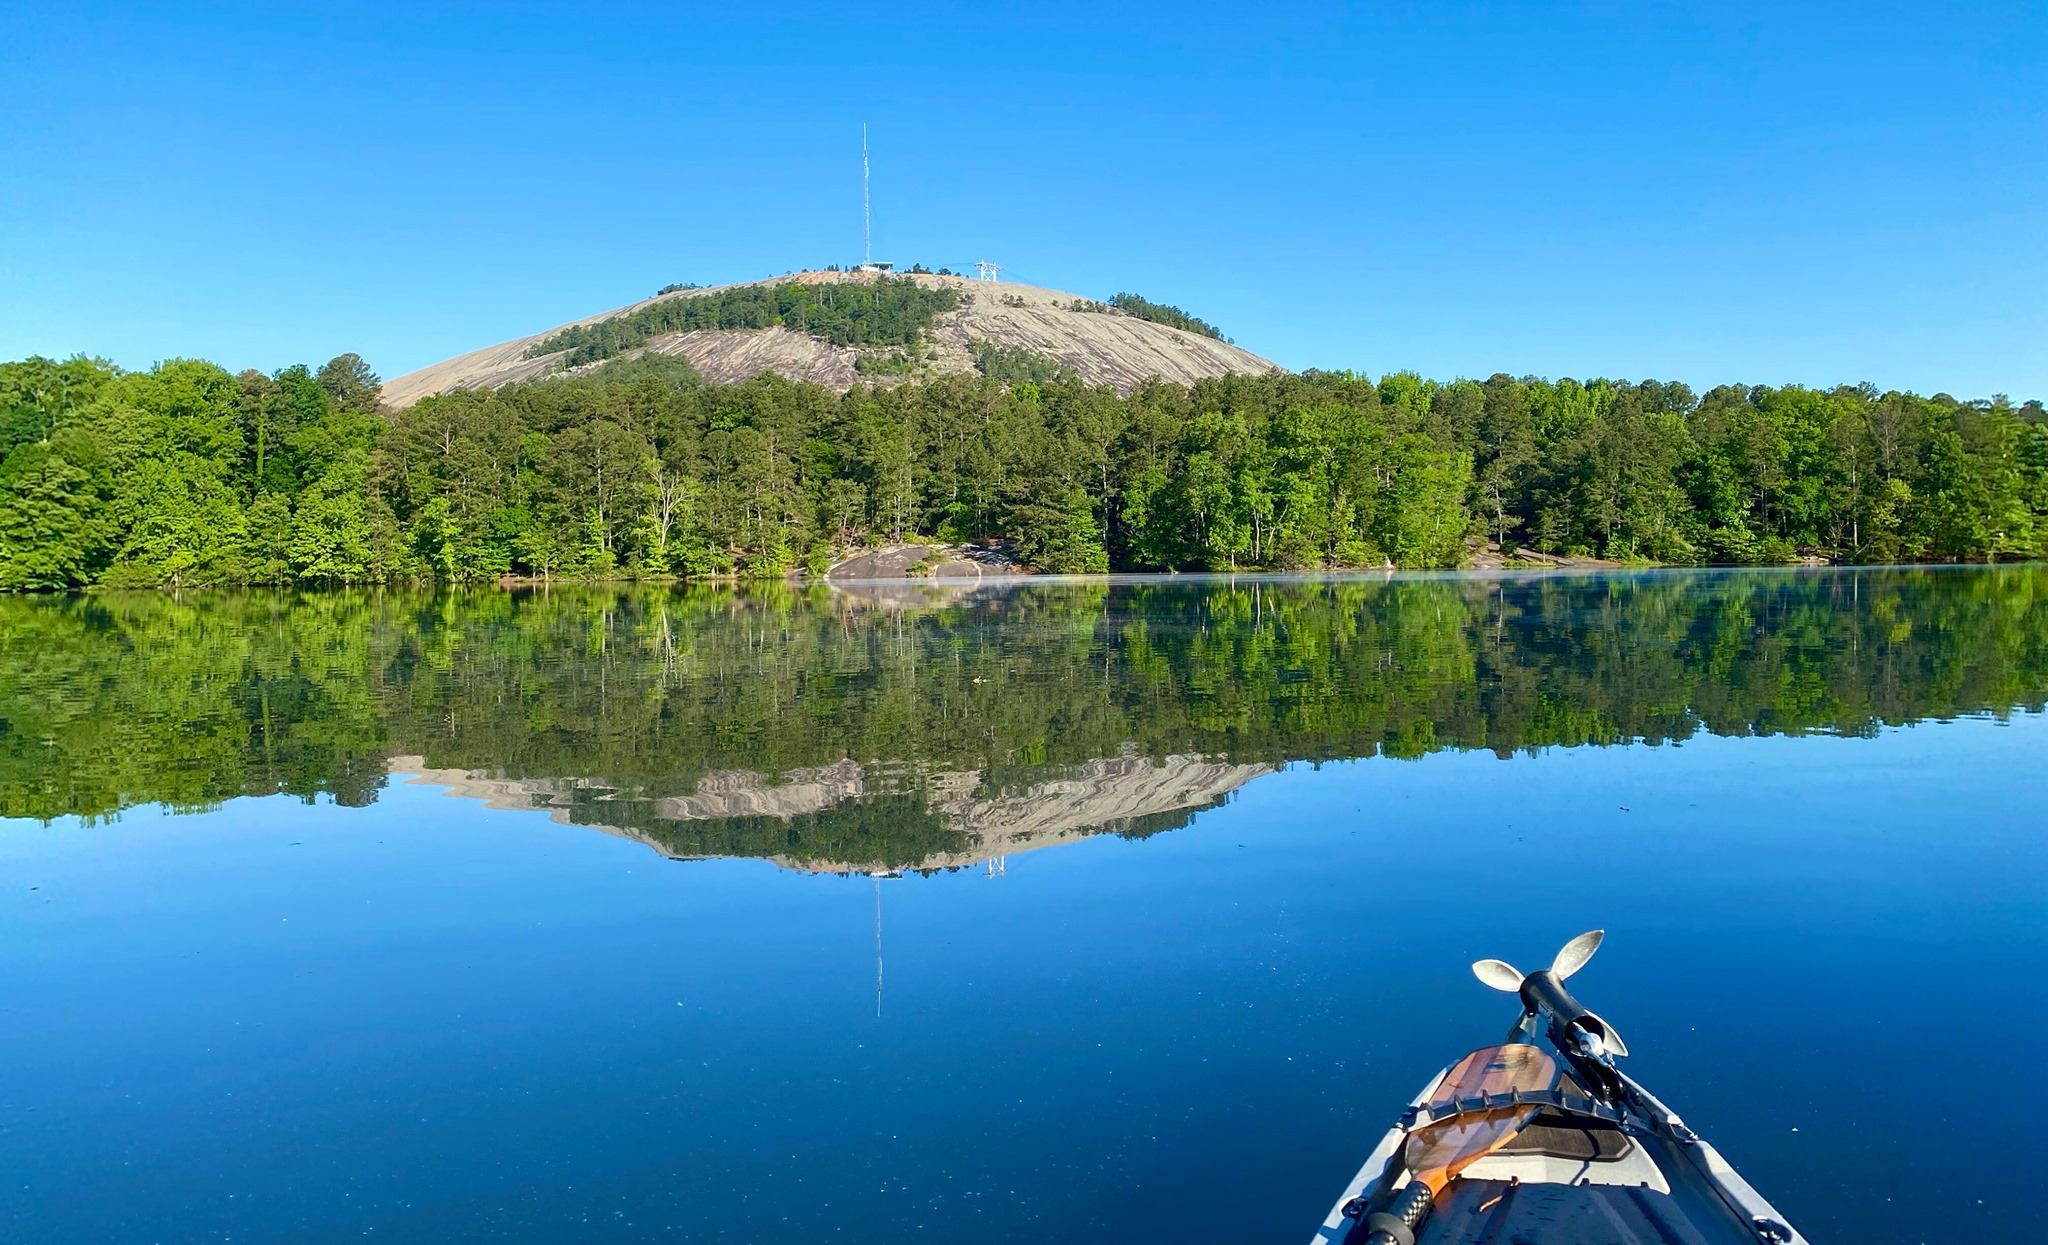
(1094, 909)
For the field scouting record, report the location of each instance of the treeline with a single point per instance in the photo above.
(186, 475)
(888, 311)
(623, 696)
(1160, 313)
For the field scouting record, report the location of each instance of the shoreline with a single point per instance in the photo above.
(514, 583)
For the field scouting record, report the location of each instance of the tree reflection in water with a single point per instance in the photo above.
(828, 730)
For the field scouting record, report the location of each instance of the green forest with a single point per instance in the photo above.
(1160, 313)
(888, 311)
(625, 694)
(187, 474)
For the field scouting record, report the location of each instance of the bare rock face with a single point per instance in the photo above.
(1102, 348)
(924, 559)
(727, 358)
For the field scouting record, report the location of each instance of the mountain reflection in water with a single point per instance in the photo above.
(814, 812)
(827, 729)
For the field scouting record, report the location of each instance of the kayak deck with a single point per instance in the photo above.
(1630, 1195)
(1574, 1172)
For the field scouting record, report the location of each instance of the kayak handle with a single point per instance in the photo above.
(1397, 1224)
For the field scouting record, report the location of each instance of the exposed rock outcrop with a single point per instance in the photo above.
(1101, 347)
(926, 560)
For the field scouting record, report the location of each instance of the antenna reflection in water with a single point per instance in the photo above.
(878, 943)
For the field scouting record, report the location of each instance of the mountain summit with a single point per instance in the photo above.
(839, 328)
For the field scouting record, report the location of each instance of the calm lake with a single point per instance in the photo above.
(1056, 912)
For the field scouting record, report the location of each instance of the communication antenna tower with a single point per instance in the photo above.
(985, 271)
(867, 224)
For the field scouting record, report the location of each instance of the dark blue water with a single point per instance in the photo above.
(422, 1018)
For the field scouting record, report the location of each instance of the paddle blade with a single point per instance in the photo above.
(1499, 974)
(1573, 955)
(1436, 1153)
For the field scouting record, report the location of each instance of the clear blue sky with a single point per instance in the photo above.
(1754, 192)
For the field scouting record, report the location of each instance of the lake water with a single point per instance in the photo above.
(1053, 913)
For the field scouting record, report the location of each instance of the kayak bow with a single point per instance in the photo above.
(1513, 1144)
